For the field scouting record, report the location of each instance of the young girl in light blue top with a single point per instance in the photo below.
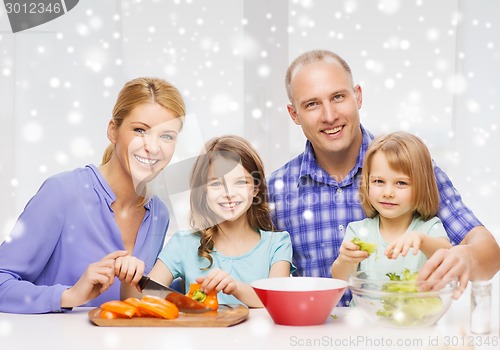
(233, 242)
(400, 198)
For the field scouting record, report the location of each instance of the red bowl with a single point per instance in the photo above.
(299, 301)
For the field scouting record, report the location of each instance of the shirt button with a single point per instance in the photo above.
(339, 190)
(341, 227)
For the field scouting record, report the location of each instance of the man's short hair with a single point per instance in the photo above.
(310, 57)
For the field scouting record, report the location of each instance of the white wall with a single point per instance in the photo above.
(428, 67)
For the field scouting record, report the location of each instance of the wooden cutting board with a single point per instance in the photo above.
(225, 316)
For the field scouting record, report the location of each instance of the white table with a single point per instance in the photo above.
(349, 330)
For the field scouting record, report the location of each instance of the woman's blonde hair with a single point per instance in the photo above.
(144, 90)
(407, 154)
(237, 150)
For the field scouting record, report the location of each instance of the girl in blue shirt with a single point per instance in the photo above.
(233, 242)
(399, 195)
(63, 249)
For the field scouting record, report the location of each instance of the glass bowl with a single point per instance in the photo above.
(399, 303)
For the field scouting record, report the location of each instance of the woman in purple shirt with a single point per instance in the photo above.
(63, 248)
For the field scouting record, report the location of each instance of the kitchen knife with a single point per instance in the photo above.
(183, 303)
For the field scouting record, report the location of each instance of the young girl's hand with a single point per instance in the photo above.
(129, 269)
(350, 253)
(219, 280)
(403, 244)
(96, 279)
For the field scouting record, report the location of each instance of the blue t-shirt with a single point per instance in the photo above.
(180, 255)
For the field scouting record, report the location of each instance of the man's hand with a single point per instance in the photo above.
(445, 265)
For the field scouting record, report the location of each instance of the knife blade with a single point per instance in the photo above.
(183, 303)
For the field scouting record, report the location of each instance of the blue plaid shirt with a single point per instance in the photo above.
(316, 209)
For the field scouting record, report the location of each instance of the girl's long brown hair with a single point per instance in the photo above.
(203, 220)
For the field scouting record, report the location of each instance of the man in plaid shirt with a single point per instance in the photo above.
(315, 195)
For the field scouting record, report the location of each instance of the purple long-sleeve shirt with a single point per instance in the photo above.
(65, 227)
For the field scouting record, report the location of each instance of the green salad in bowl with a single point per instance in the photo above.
(397, 299)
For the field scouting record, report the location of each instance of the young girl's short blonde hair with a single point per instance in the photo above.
(407, 154)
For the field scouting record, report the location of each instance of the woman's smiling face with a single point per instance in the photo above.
(145, 142)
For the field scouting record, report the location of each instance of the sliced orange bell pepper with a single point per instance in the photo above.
(158, 309)
(110, 315)
(120, 307)
(158, 300)
(135, 302)
(171, 307)
(208, 299)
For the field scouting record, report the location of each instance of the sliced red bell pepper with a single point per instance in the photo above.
(208, 299)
